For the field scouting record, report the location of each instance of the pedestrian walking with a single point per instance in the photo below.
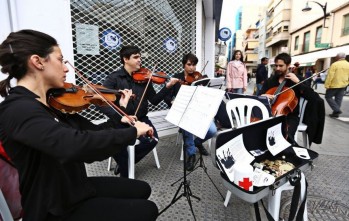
(261, 74)
(336, 82)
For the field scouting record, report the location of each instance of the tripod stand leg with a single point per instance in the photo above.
(191, 207)
(174, 199)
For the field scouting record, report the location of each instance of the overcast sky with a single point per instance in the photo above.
(230, 8)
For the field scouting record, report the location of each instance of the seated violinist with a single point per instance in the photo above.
(49, 148)
(121, 79)
(282, 63)
(189, 62)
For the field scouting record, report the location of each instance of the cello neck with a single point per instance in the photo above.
(278, 90)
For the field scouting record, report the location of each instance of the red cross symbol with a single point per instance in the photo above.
(246, 184)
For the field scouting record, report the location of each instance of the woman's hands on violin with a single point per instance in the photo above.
(172, 82)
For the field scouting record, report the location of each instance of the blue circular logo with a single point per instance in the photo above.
(170, 44)
(111, 39)
(224, 34)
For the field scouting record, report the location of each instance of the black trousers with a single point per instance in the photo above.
(141, 150)
(116, 199)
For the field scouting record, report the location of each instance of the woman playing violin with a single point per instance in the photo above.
(49, 148)
(121, 79)
(282, 63)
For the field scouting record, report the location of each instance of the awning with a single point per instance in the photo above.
(310, 58)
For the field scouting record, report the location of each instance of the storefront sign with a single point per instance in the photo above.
(87, 39)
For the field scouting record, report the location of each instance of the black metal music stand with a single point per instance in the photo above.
(200, 163)
(186, 189)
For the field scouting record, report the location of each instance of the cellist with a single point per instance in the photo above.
(281, 73)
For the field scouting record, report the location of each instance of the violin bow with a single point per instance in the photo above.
(204, 67)
(313, 75)
(145, 89)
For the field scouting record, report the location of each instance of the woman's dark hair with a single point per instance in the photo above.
(16, 50)
(127, 51)
(190, 57)
(241, 58)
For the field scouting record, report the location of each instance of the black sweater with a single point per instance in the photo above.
(49, 150)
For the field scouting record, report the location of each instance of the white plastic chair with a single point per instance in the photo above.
(131, 160)
(4, 210)
(302, 127)
(274, 198)
(236, 107)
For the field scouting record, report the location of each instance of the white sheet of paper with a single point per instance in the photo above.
(202, 108)
(180, 104)
(301, 153)
(235, 148)
(275, 140)
(194, 108)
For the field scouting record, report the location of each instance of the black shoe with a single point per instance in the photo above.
(334, 115)
(337, 112)
(116, 170)
(190, 163)
(202, 150)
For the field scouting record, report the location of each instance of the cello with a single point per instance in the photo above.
(285, 100)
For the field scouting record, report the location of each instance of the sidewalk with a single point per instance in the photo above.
(328, 192)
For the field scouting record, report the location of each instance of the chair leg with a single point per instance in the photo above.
(305, 139)
(177, 138)
(156, 158)
(131, 161)
(109, 163)
(227, 198)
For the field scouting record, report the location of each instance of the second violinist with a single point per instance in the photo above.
(121, 79)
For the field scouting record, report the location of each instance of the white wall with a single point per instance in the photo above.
(51, 17)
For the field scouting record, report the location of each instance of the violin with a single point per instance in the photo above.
(190, 78)
(72, 99)
(285, 100)
(143, 75)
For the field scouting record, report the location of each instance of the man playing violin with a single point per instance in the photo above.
(122, 80)
(282, 63)
(189, 62)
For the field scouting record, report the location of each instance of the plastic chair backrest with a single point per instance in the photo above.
(302, 105)
(237, 107)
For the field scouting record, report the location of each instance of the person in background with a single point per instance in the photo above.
(261, 74)
(49, 148)
(190, 143)
(121, 79)
(336, 82)
(308, 74)
(295, 68)
(236, 76)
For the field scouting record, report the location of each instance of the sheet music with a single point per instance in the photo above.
(201, 110)
(194, 108)
(179, 105)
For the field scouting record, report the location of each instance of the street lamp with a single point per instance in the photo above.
(308, 8)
